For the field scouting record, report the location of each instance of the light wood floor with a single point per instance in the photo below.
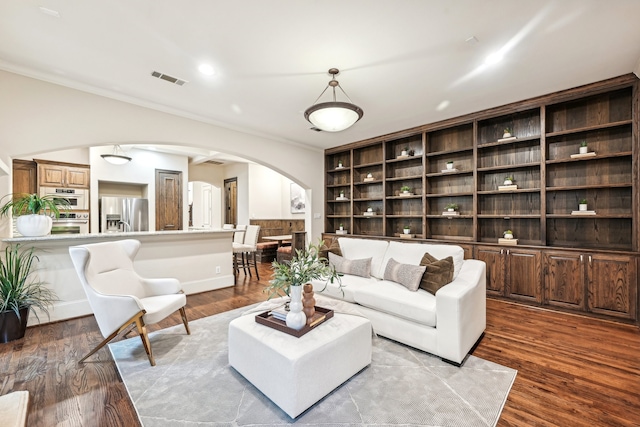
(572, 370)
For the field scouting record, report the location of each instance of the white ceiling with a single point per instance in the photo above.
(399, 60)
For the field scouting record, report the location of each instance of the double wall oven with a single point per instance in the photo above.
(76, 219)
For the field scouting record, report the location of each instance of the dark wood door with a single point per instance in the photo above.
(612, 285)
(494, 258)
(231, 201)
(524, 275)
(25, 177)
(565, 279)
(168, 200)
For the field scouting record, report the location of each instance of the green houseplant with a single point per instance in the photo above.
(405, 188)
(452, 207)
(19, 291)
(289, 276)
(33, 212)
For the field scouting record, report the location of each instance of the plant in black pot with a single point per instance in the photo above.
(34, 212)
(19, 291)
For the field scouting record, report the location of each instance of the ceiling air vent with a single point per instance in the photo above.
(214, 162)
(168, 78)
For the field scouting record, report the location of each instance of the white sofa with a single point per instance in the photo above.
(446, 324)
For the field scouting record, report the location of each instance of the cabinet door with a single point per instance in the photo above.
(168, 200)
(51, 175)
(564, 280)
(77, 177)
(612, 285)
(494, 258)
(24, 177)
(524, 275)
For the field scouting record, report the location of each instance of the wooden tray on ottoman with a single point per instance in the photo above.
(321, 315)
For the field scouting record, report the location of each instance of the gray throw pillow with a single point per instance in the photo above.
(356, 267)
(437, 274)
(407, 275)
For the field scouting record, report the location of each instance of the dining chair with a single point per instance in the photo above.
(119, 297)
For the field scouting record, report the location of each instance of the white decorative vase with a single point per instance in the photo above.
(296, 319)
(407, 230)
(508, 182)
(450, 209)
(506, 135)
(582, 207)
(404, 153)
(508, 236)
(449, 166)
(369, 176)
(34, 225)
(584, 150)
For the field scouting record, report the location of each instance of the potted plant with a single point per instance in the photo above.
(582, 205)
(583, 147)
(406, 229)
(405, 151)
(450, 165)
(341, 227)
(289, 276)
(452, 207)
(405, 189)
(508, 234)
(19, 291)
(339, 164)
(369, 175)
(369, 209)
(34, 212)
(341, 194)
(508, 180)
(506, 133)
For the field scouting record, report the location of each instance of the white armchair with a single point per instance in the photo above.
(119, 297)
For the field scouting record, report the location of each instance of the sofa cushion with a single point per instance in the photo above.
(412, 253)
(365, 248)
(407, 275)
(356, 267)
(350, 285)
(438, 273)
(393, 298)
(334, 247)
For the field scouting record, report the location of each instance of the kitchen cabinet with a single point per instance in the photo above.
(24, 177)
(513, 273)
(51, 174)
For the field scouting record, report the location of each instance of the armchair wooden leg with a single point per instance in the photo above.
(183, 313)
(142, 330)
(128, 324)
(255, 265)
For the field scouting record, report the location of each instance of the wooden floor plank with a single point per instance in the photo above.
(572, 370)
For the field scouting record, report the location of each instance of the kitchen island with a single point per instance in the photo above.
(200, 259)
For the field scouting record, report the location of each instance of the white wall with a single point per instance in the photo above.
(269, 194)
(75, 155)
(41, 117)
(214, 175)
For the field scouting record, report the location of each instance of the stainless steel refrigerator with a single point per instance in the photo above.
(123, 214)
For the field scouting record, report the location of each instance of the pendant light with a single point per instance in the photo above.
(333, 116)
(117, 157)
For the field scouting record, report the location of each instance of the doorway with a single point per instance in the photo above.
(231, 201)
(168, 200)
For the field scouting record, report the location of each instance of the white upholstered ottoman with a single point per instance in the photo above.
(295, 372)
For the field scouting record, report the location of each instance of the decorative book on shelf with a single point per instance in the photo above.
(402, 194)
(341, 198)
(403, 157)
(369, 213)
(507, 187)
(503, 241)
(589, 154)
(447, 213)
(449, 170)
(369, 179)
(407, 236)
(511, 138)
(583, 213)
(342, 231)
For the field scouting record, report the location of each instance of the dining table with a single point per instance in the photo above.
(279, 238)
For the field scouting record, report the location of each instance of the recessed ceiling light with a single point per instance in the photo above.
(206, 69)
(50, 12)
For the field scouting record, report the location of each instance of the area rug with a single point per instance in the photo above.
(192, 384)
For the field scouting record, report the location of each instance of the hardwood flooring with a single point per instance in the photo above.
(572, 370)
